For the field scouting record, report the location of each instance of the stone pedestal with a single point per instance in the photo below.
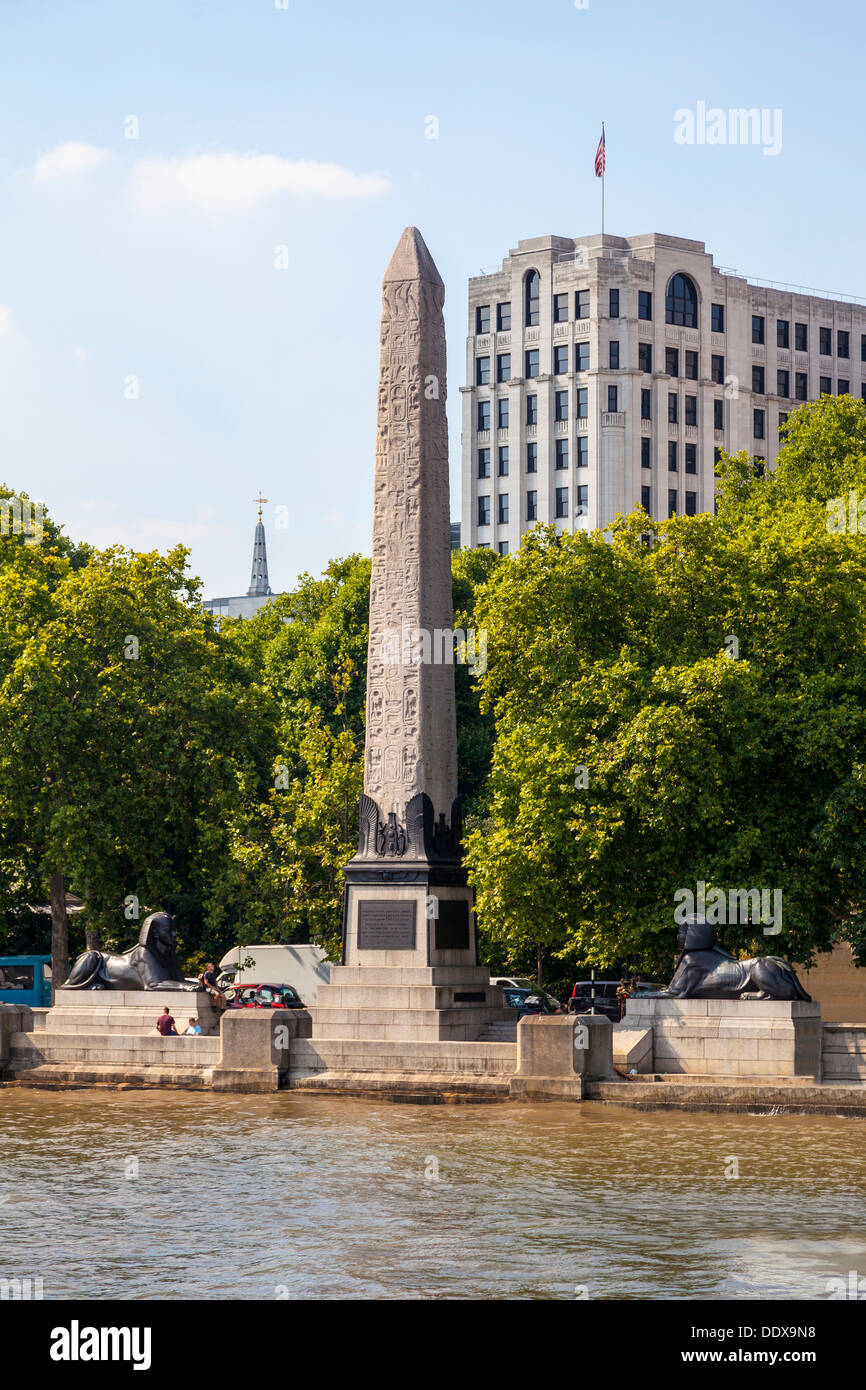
(555, 1055)
(731, 1037)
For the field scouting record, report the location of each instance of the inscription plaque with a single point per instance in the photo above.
(386, 926)
(451, 928)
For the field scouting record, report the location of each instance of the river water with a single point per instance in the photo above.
(149, 1194)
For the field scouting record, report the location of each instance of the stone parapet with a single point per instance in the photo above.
(844, 1053)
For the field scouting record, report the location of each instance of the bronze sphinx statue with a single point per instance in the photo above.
(704, 970)
(152, 964)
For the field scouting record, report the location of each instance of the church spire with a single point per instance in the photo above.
(259, 586)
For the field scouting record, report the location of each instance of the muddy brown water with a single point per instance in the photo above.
(151, 1195)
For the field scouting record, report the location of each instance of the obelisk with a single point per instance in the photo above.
(410, 970)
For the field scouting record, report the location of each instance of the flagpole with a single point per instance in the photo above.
(602, 188)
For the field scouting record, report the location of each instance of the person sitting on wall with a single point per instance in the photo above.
(208, 981)
(194, 1028)
(165, 1024)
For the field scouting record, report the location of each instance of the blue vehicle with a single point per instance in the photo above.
(26, 980)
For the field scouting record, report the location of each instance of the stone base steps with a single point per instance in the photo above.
(796, 1095)
(394, 1025)
(499, 1032)
(125, 1076)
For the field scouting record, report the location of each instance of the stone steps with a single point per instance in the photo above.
(715, 1094)
(311, 1056)
(36, 1049)
(101, 1074)
(418, 1084)
(499, 1032)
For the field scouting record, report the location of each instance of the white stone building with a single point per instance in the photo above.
(604, 372)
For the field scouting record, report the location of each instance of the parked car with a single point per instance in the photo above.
(527, 1001)
(517, 982)
(263, 997)
(605, 999)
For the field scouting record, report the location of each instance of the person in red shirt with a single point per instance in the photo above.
(165, 1024)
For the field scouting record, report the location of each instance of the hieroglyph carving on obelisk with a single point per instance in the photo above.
(411, 729)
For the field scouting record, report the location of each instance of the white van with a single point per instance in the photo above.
(303, 967)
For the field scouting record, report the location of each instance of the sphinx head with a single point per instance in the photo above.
(159, 934)
(696, 934)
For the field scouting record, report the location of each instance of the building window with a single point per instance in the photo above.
(562, 501)
(532, 410)
(531, 363)
(645, 357)
(717, 457)
(783, 416)
(531, 297)
(801, 386)
(582, 402)
(503, 507)
(672, 501)
(532, 506)
(582, 451)
(560, 360)
(613, 359)
(757, 328)
(691, 458)
(758, 462)
(612, 399)
(613, 304)
(581, 304)
(502, 413)
(482, 371)
(863, 347)
(672, 361)
(843, 388)
(672, 408)
(691, 503)
(863, 391)
(691, 410)
(484, 511)
(783, 333)
(646, 405)
(673, 462)
(717, 318)
(717, 369)
(484, 463)
(645, 456)
(783, 384)
(503, 318)
(484, 415)
(560, 405)
(758, 382)
(758, 425)
(503, 460)
(646, 499)
(482, 318)
(560, 308)
(581, 357)
(582, 507)
(532, 458)
(691, 366)
(503, 366)
(561, 446)
(644, 304)
(503, 547)
(718, 415)
(825, 341)
(681, 302)
(801, 337)
(825, 386)
(842, 343)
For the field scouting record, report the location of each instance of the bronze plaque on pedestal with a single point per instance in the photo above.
(384, 926)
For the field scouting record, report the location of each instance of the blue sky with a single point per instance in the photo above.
(304, 128)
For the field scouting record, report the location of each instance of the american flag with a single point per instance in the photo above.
(599, 157)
